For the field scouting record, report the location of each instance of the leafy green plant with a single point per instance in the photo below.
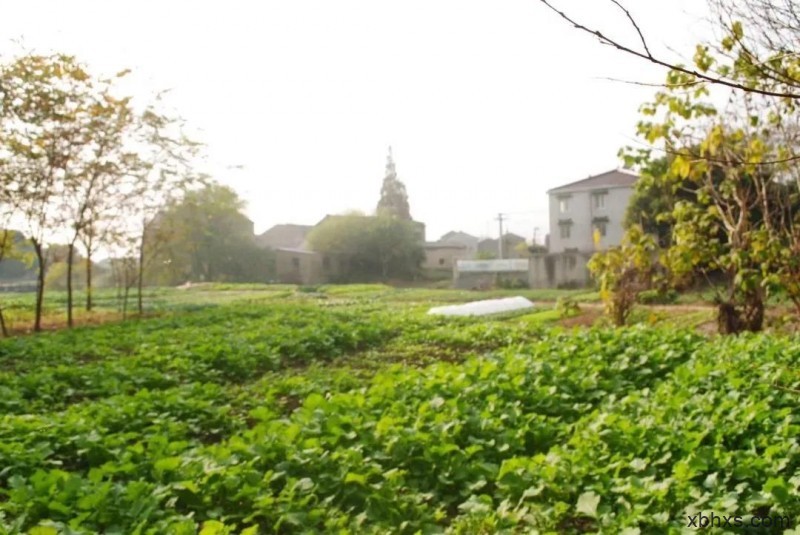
(567, 307)
(298, 418)
(666, 296)
(624, 272)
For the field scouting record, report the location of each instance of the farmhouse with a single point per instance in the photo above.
(597, 203)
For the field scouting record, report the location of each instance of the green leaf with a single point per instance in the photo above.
(587, 504)
(213, 527)
(352, 477)
(778, 488)
(167, 464)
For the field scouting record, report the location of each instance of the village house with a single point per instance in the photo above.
(295, 263)
(465, 239)
(597, 203)
(441, 256)
(514, 246)
(586, 216)
(284, 235)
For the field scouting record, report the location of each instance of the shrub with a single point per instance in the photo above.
(567, 307)
(658, 297)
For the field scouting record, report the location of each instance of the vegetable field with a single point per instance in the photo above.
(337, 412)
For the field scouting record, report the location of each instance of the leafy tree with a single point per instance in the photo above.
(46, 115)
(654, 199)
(394, 199)
(397, 247)
(59, 273)
(207, 238)
(739, 160)
(624, 272)
(12, 248)
(370, 248)
(99, 184)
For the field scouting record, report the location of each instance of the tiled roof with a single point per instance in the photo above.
(286, 235)
(444, 245)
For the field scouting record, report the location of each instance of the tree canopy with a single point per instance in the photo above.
(370, 248)
(80, 163)
(394, 199)
(721, 187)
(205, 237)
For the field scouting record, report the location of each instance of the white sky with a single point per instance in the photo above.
(486, 105)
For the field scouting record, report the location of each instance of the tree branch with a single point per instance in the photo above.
(646, 55)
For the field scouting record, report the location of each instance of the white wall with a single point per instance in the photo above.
(582, 213)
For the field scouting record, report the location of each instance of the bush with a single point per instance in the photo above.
(658, 297)
(567, 307)
(512, 284)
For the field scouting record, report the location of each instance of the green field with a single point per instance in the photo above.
(348, 410)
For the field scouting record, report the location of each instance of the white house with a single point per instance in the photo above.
(595, 203)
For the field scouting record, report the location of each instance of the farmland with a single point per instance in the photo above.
(348, 410)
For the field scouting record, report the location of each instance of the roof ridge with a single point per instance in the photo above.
(621, 171)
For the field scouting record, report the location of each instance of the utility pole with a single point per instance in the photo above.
(500, 241)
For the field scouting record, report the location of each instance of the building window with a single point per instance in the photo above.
(599, 199)
(565, 230)
(601, 227)
(296, 263)
(571, 262)
(441, 261)
(563, 205)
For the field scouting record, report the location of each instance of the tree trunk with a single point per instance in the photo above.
(88, 280)
(140, 276)
(70, 261)
(385, 269)
(733, 320)
(118, 284)
(37, 322)
(125, 293)
(3, 328)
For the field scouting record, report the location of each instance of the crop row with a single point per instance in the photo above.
(415, 450)
(230, 345)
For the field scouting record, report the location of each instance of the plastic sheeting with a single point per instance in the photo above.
(483, 308)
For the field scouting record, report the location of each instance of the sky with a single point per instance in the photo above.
(486, 105)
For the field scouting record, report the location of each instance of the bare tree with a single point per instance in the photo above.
(165, 173)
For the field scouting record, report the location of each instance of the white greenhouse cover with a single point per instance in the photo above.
(482, 308)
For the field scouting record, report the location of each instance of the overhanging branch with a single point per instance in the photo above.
(648, 56)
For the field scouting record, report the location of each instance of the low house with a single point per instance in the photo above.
(301, 266)
(514, 246)
(284, 235)
(458, 237)
(442, 256)
(294, 262)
